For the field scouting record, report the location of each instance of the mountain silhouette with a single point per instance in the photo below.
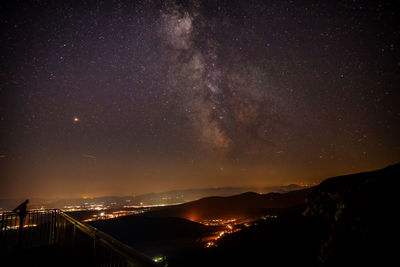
(245, 205)
(345, 221)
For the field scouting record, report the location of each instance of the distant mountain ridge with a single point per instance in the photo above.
(169, 197)
(249, 204)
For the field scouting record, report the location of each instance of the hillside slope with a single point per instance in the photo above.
(153, 236)
(346, 221)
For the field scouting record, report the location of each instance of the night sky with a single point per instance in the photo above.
(129, 97)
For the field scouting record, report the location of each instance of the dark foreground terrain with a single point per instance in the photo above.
(156, 236)
(344, 221)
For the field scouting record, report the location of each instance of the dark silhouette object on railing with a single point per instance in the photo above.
(21, 209)
(56, 239)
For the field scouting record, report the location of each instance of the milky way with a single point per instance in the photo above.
(232, 106)
(127, 97)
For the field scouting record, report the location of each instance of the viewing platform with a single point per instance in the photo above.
(53, 238)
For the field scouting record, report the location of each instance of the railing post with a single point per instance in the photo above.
(53, 227)
(94, 247)
(73, 244)
(2, 231)
(2, 222)
(21, 227)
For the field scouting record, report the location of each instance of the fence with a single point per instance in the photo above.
(77, 243)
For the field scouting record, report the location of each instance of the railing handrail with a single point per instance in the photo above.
(130, 254)
(8, 213)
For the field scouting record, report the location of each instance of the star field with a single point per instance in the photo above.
(129, 97)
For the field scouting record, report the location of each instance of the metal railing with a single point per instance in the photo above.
(79, 243)
(37, 230)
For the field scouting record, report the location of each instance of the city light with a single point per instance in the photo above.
(161, 258)
(231, 226)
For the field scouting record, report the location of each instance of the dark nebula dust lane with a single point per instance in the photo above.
(129, 97)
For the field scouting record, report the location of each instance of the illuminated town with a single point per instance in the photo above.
(114, 214)
(231, 226)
